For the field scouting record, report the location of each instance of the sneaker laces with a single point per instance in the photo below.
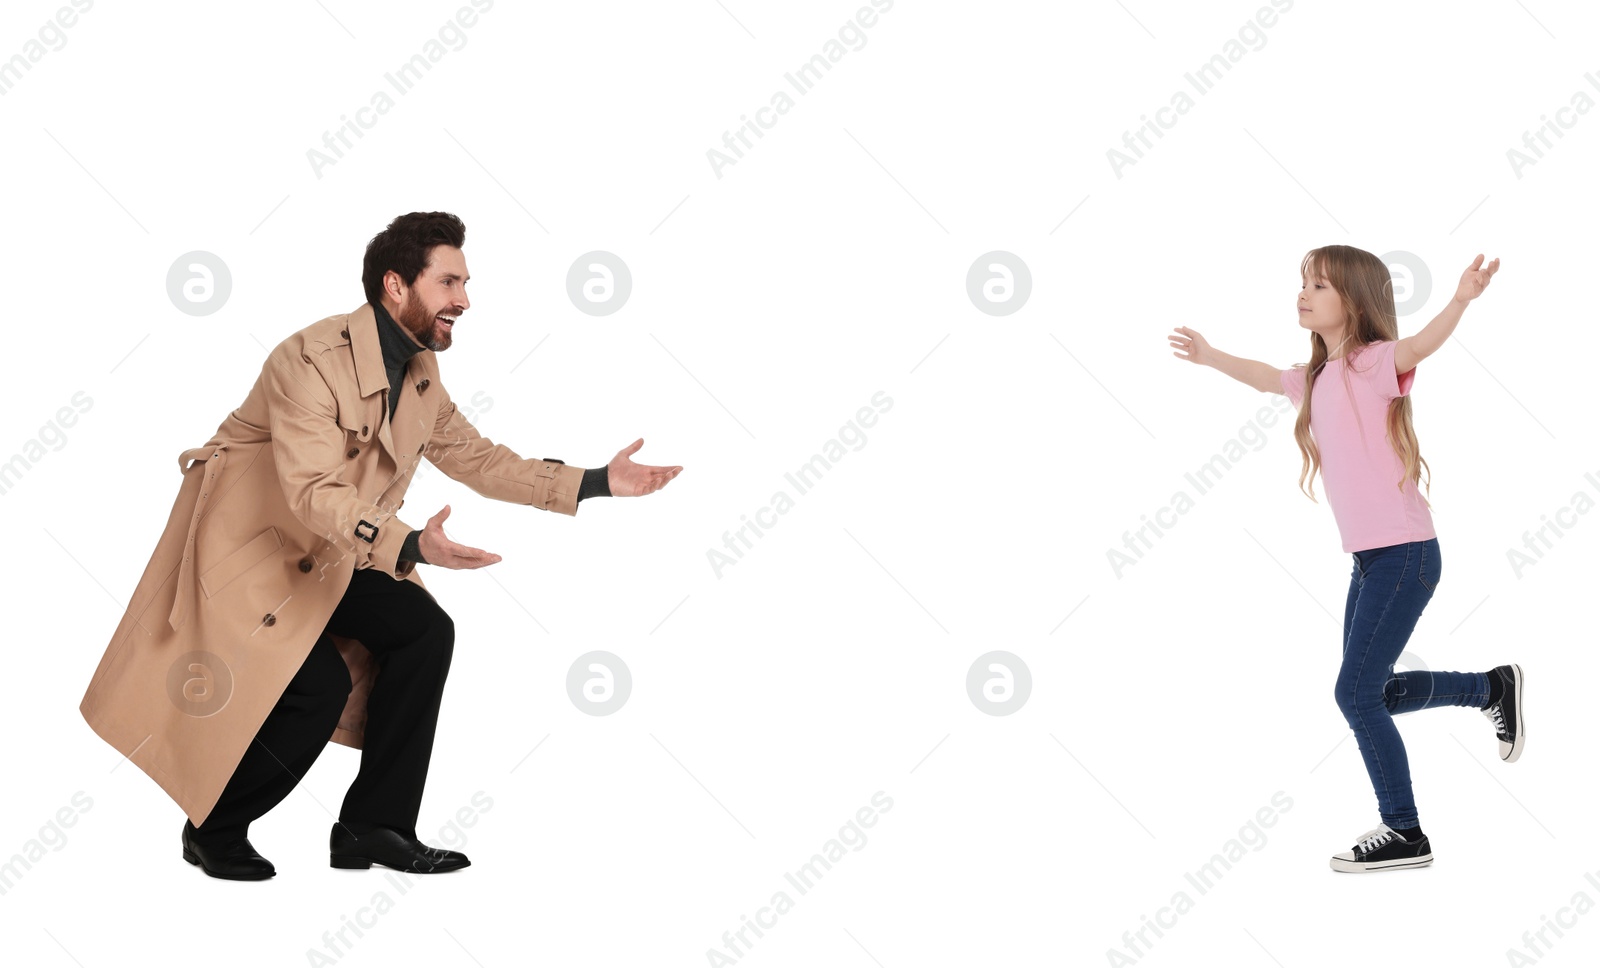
(1497, 717)
(1373, 839)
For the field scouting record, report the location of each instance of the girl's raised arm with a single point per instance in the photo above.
(1190, 345)
(1411, 350)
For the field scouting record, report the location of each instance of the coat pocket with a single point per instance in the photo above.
(219, 575)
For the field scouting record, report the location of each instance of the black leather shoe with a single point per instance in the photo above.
(348, 850)
(231, 859)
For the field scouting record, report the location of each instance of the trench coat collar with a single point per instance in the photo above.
(402, 435)
(370, 375)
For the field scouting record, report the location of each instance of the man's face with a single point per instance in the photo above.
(430, 305)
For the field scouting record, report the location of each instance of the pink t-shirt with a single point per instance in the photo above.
(1359, 466)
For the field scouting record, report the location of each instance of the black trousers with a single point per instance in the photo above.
(412, 639)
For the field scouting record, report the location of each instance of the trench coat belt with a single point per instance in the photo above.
(214, 457)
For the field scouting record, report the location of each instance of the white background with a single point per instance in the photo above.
(771, 703)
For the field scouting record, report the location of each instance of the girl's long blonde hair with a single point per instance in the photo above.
(1366, 290)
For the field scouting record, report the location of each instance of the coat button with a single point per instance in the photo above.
(423, 385)
(269, 619)
(353, 453)
(344, 334)
(305, 565)
(364, 430)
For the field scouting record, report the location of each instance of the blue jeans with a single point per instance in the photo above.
(1389, 587)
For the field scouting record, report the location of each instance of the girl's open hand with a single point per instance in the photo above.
(1190, 346)
(1475, 280)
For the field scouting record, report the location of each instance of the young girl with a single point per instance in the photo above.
(1355, 412)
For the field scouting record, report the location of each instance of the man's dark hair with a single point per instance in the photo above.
(404, 247)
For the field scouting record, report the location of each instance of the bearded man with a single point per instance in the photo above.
(282, 608)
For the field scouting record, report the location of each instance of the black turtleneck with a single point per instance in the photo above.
(398, 347)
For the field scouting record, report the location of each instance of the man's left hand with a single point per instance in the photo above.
(628, 479)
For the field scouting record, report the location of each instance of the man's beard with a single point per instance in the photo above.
(420, 323)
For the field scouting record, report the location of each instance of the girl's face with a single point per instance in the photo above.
(1321, 309)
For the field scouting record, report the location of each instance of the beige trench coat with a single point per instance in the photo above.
(298, 488)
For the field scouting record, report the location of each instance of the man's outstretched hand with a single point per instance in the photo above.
(444, 553)
(628, 479)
